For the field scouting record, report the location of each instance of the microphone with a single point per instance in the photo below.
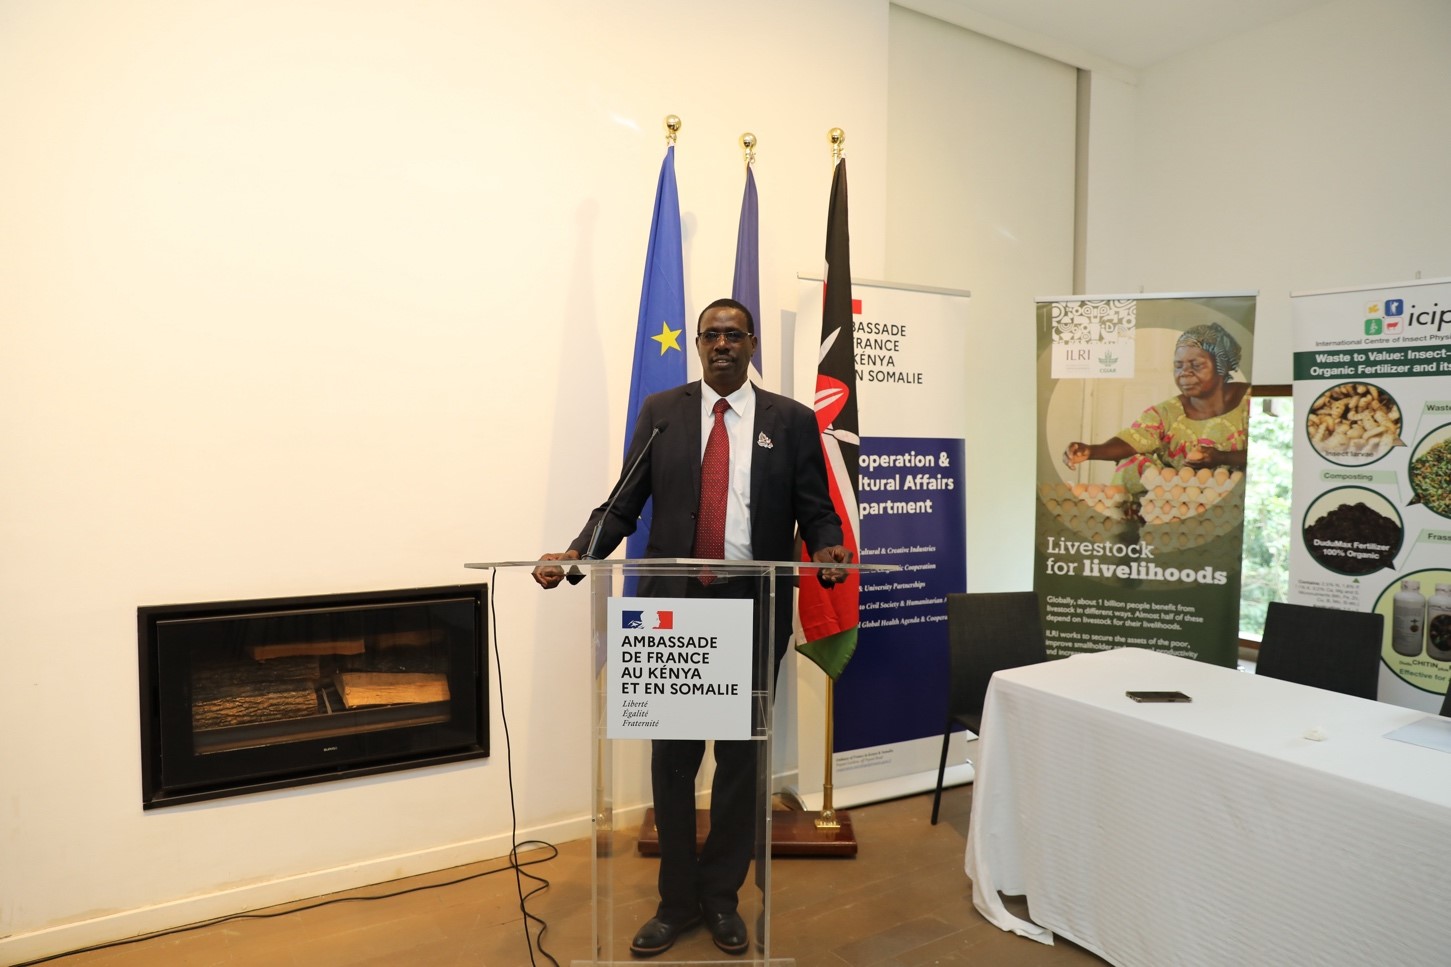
(575, 575)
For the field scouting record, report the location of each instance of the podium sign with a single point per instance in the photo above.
(678, 668)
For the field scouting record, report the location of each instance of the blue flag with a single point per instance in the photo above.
(746, 287)
(660, 338)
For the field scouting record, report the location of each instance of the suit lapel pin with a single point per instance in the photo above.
(764, 441)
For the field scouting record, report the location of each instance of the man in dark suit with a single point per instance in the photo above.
(776, 483)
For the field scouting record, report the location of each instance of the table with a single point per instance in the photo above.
(1213, 832)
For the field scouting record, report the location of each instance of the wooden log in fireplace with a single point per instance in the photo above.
(360, 689)
(229, 693)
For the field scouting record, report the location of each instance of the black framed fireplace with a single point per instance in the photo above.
(243, 696)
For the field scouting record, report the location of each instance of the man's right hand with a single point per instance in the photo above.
(549, 575)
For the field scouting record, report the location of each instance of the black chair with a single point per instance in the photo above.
(986, 633)
(1323, 647)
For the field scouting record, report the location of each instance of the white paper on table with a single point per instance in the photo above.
(1431, 732)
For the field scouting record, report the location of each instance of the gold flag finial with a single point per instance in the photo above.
(837, 137)
(672, 128)
(748, 144)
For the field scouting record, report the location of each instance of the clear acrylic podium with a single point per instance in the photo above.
(624, 890)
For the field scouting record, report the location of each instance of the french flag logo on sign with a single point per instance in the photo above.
(664, 620)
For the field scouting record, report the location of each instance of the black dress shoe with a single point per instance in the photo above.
(728, 931)
(658, 936)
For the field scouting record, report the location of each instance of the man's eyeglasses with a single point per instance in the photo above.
(711, 336)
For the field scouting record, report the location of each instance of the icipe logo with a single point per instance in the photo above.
(1394, 316)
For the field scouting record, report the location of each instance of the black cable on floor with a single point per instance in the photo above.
(519, 874)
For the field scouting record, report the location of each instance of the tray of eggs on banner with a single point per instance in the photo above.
(1177, 509)
(1188, 508)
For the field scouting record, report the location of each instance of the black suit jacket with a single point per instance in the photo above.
(788, 488)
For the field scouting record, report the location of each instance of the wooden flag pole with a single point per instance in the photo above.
(831, 827)
(827, 819)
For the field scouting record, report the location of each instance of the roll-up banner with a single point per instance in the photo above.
(891, 700)
(1143, 401)
(1371, 498)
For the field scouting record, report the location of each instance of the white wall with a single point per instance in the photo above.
(980, 197)
(302, 298)
(1308, 154)
(1110, 256)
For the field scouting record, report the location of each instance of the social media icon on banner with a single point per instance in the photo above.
(1395, 307)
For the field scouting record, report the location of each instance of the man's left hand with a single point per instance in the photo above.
(830, 576)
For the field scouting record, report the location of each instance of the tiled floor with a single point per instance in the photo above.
(902, 901)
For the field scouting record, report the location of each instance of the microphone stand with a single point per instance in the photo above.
(574, 575)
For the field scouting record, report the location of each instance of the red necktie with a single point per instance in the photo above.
(714, 485)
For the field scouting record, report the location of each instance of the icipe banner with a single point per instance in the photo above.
(678, 668)
(1143, 404)
(1371, 498)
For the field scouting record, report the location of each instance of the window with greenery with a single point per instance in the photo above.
(1265, 576)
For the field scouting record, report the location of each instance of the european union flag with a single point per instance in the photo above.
(660, 332)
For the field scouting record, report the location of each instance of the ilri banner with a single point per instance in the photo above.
(1371, 500)
(890, 701)
(1143, 404)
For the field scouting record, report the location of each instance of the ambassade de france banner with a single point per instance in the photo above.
(890, 702)
(1143, 406)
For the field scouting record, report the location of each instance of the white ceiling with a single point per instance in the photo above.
(1133, 33)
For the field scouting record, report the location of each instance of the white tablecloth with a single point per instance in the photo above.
(1213, 832)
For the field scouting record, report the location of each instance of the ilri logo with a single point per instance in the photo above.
(663, 620)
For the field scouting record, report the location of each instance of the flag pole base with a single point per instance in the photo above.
(794, 832)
